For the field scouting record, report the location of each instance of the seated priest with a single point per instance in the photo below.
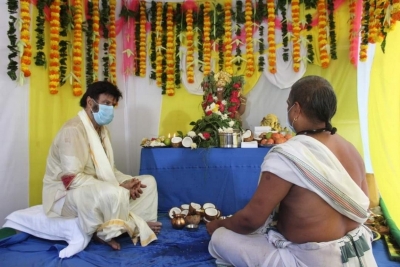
(82, 181)
(311, 200)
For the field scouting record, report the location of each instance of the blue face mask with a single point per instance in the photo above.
(104, 115)
(290, 125)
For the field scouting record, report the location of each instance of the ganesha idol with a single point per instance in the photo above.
(223, 93)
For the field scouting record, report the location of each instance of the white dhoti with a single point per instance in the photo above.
(307, 163)
(273, 250)
(111, 211)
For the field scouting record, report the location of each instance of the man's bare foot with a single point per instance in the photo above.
(155, 226)
(112, 243)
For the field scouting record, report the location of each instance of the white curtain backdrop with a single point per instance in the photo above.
(14, 168)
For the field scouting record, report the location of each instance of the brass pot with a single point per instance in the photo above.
(178, 222)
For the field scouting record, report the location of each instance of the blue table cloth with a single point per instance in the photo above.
(226, 177)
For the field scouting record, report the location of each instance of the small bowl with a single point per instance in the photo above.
(192, 227)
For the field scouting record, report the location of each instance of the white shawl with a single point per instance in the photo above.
(308, 163)
(103, 158)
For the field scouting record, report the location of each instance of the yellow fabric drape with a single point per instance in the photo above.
(383, 119)
(47, 113)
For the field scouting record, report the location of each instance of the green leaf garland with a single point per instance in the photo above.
(12, 67)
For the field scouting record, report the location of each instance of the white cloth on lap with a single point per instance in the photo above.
(34, 221)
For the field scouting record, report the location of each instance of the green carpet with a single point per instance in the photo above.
(6, 232)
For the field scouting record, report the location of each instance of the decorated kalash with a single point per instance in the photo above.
(221, 126)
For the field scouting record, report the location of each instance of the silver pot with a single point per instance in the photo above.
(232, 140)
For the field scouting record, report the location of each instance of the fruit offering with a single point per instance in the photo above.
(273, 138)
(155, 142)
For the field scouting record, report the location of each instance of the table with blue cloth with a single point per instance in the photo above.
(226, 177)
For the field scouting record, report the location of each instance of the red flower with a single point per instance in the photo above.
(208, 113)
(237, 85)
(221, 107)
(235, 100)
(210, 98)
(235, 94)
(206, 135)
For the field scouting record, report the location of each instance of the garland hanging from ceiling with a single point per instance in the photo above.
(234, 36)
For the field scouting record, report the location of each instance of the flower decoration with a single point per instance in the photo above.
(249, 38)
(113, 43)
(190, 46)
(104, 21)
(77, 49)
(221, 101)
(322, 34)
(159, 56)
(96, 38)
(25, 38)
(170, 51)
(54, 68)
(271, 37)
(207, 40)
(228, 37)
(296, 34)
(142, 42)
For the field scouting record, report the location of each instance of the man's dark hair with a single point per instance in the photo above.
(101, 87)
(316, 98)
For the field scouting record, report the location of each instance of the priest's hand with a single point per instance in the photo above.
(213, 225)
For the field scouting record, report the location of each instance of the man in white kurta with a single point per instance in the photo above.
(82, 181)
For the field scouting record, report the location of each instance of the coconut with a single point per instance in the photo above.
(192, 219)
(184, 206)
(185, 212)
(187, 141)
(247, 136)
(173, 211)
(176, 141)
(208, 205)
(200, 212)
(210, 214)
(193, 207)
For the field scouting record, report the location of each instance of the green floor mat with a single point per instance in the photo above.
(6, 232)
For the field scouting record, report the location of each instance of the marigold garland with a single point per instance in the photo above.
(89, 43)
(170, 51)
(207, 39)
(296, 34)
(322, 34)
(372, 22)
(113, 44)
(190, 47)
(271, 37)
(159, 31)
(352, 34)
(395, 15)
(364, 32)
(199, 22)
(96, 39)
(77, 48)
(228, 37)
(25, 37)
(54, 68)
(248, 13)
(142, 40)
